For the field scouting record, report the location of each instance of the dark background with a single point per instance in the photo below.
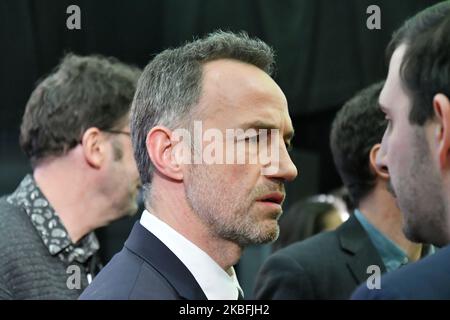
(325, 54)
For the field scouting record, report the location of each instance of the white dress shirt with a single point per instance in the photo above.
(215, 282)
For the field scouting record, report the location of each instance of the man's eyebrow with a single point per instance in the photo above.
(259, 124)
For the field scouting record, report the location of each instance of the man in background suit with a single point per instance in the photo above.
(332, 264)
(416, 150)
(200, 214)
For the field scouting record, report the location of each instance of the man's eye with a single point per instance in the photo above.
(252, 138)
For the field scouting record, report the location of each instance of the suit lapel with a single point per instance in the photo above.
(153, 251)
(359, 248)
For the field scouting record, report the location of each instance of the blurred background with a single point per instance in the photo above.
(325, 54)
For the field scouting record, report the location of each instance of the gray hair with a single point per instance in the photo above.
(171, 84)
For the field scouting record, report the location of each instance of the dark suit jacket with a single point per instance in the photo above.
(428, 278)
(329, 265)
(144, 269)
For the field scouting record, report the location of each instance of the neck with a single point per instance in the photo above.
(172, 208)
(68, 191)
(381, 211)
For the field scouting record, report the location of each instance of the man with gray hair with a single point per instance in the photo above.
(201, 214)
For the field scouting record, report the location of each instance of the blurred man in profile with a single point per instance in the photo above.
(75, 132)
(200, 216)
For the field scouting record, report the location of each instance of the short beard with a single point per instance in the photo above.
(390, 188)
(422, 196)
(226, 217)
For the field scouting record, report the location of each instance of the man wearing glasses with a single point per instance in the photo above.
(75, 131)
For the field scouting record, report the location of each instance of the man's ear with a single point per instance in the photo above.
(93, 147)
(378, 170)
(441, 106)
(161, 150)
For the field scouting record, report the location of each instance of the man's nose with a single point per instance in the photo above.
(283, 168)
(289, 170)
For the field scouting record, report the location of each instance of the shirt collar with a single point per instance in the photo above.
(48, 224)
(216, 283)
(392, 255)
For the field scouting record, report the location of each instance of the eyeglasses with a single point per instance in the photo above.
(118, 132)
(112, 132)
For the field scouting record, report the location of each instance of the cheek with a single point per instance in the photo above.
(400, 149)
(133, 169)
(394, 158)
(232, 175)
(390, 143)
(130, 164)
(239, 178)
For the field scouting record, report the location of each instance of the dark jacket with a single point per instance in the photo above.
(329, 265)
(144, 269)
(428, 278)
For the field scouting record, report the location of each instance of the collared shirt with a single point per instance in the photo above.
(49, 226)
(392, 255)
(215, 282)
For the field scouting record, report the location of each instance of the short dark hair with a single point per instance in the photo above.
(170, 86)
(82, 92)
(425, 68)
(358, 126)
